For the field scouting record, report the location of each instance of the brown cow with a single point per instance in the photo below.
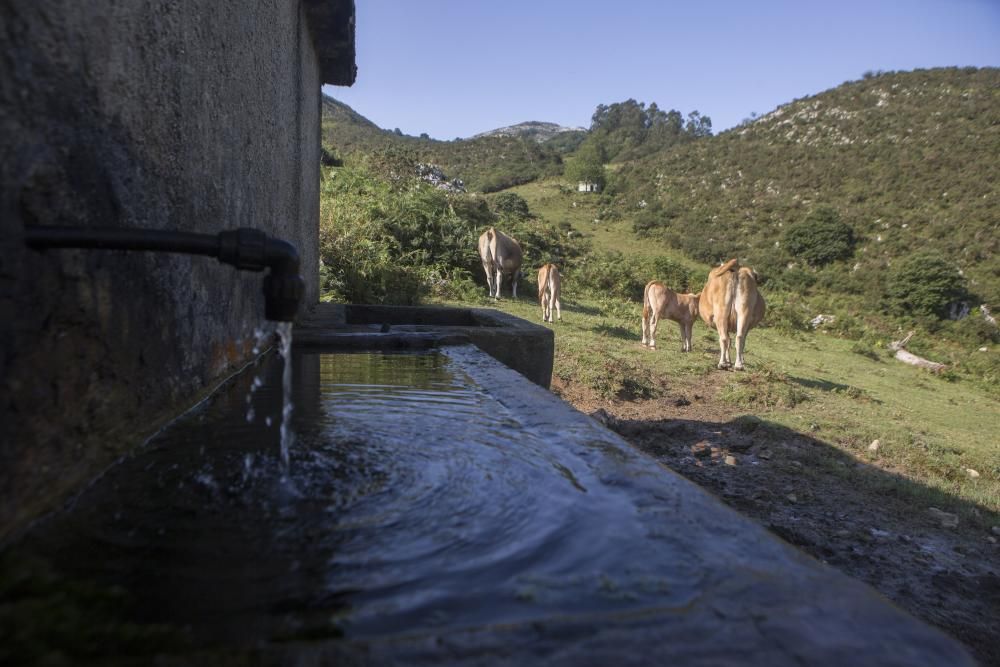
(549, 285)
(501, 256)
(659, 301)
(731, 303)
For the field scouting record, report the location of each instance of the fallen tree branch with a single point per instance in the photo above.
(912, 359)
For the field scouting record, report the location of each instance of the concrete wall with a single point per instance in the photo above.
(190, 115)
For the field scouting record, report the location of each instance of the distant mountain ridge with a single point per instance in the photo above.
(484, 163)
(538, 130)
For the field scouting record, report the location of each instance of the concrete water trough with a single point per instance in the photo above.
(524, 346)
(439, 509)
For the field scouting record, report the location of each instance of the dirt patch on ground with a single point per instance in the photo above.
(802, 489)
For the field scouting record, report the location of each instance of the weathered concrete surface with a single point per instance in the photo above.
(190, 115)
(524, 346)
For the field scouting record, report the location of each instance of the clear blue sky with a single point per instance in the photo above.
(454, 68)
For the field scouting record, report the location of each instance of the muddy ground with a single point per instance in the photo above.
(795, 485)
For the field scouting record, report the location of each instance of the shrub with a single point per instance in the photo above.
(787, 313)
(923, 285)
(615, 275)
(821, 238)
(512, 205)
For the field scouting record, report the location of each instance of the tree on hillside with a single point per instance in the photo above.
(925, 284)
(630, 129)
(821, 238)
(587, 165)
(511, 204)
(698, 125)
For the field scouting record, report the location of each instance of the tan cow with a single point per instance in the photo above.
(659, 301)
(731, 303)
(501, 256)
(549, 286)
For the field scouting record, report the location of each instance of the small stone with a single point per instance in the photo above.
(730, 460)
(946, 519)
(792, 498)
(843, 532)
(984, 349)
(874, 446)
(765, 454)
(995, 530)
(991, 539)
(973, 474)
(701, 449)
(601, 416)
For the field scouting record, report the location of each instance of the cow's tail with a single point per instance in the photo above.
(647, 307)
(490, 236)
(734, 282)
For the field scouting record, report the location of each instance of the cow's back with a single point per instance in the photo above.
(717, 297)
(506, 252)
(749, 300)
(486, 241)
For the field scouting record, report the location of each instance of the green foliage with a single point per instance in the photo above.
(389, 238)
(924, 285)
(511, 205)
(616, 275)
(821, 238)
(787, 312)
(587, 165)
(628, 130)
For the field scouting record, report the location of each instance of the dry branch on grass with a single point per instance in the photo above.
(909, 358)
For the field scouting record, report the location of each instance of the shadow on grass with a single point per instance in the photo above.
(835, 387)
(615, 332)
(576, 307)
(875, 525)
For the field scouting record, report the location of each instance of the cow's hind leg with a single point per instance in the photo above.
(724, 343)
(686, 336)
(741, 341)
(654, 322)
(489, 277)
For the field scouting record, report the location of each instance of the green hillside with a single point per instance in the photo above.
(907, 160)
(485, 164)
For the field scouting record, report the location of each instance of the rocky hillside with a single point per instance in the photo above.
(908, 160)
(532, 129)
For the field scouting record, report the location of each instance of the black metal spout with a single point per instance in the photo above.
(246, 249)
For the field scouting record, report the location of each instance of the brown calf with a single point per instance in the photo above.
(548, 291)
(659, 301)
